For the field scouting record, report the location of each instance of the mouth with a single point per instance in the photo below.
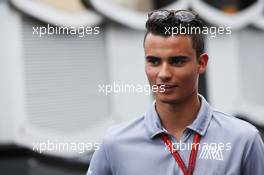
(167, 87)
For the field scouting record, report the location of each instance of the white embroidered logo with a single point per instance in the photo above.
(212, 152)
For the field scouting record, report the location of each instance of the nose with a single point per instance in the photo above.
(165, 72)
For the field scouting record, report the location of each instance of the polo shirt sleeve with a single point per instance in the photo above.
(253, 162)
(99, 164)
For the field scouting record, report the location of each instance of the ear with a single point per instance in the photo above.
(202, 62)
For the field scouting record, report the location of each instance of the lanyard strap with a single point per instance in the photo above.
(177, 157)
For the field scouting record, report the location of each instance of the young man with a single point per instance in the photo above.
(180, 133)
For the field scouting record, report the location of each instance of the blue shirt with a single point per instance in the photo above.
(228, 146)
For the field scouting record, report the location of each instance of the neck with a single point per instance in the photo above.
(177, 116)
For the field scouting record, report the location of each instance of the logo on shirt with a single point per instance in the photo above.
(212, 152)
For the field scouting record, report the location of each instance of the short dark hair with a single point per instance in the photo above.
(159, 25)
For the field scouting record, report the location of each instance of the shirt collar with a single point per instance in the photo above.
(199, 125)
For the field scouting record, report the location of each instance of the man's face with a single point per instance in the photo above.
(172, 62)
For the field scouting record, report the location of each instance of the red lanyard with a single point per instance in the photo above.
(177, 157)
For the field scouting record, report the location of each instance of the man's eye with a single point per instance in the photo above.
(177, 61)
(153, 61)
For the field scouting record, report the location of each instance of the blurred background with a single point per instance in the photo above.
(49, 85)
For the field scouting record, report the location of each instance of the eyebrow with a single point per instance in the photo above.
(151, 57)
(181, 57)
